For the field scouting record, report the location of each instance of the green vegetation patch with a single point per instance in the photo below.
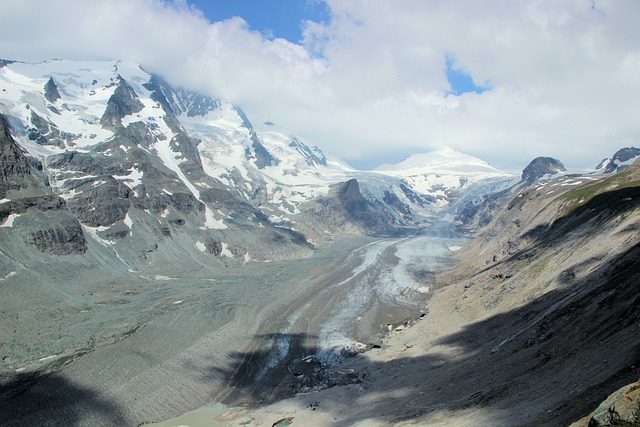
(618, 192)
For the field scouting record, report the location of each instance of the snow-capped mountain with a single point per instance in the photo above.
(443, 173)
(620, 160)
(148, 168)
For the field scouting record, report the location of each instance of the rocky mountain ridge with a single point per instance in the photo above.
(125, 150)
(620, 159)
(556, 262)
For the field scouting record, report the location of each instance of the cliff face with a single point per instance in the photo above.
(29, 204)
(346, 209)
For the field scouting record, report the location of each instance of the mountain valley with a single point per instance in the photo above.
(159, 252)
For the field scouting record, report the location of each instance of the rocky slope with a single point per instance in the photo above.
(621, 159)
(553, 278)
(122, 164)
(29, 204)
(535, 325)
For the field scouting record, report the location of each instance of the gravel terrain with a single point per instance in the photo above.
(104, 350)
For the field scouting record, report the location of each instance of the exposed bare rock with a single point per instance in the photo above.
(621, 408)
(541, 166)
(621, 159)
(123, 102)
(43, 219)
(346, 209)
(51, 93)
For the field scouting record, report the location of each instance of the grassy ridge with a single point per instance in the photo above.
(618, 192)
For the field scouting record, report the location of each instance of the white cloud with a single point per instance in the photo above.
(370, 85)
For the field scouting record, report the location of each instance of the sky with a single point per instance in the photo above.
(372, 81)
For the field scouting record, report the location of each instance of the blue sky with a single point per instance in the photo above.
(460, 81)
(272, 18)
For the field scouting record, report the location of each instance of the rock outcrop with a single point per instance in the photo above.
(51, 93)
(621, 159)
(123, 102)
(620, 409)
(346, 209)
(15, 171)
(541, 166)
(40, 217)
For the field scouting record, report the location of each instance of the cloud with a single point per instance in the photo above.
(371, 84)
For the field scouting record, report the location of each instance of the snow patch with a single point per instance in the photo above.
(211, 222)
(128, 222)
(225, 251)
(11, 274)
(200, 246)
(70, 194)
(9, 221)
(132, 179)
(93, 232)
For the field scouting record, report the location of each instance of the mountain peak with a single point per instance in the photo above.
(621, 159)
(442, 161)
(541, 166)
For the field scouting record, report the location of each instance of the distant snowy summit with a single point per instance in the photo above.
(444, 173)
(445, 161)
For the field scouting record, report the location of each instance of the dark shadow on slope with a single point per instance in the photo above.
(53, 400)
(547, 363)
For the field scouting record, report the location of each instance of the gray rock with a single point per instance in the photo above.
(56, 231)
(346, 209)
(621, 156)
(256, 151)
(180, 101)
(51, 91)
(101, 205)
(541, 166)
(622, 408)
(47, 133)
(123, 102)
(18, 171)
(313, 155)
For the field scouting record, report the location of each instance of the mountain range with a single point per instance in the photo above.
(121, 149)
(110, 175)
